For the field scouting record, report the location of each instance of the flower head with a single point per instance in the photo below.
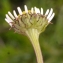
(29, 19)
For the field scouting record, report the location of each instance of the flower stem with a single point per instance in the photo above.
(34, 36)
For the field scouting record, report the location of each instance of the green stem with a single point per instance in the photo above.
(34, 36)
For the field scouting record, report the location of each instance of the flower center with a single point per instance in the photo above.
(29, 20)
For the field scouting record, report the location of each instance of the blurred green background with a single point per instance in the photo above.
(15, 48)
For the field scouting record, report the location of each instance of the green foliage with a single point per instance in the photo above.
(15, 48)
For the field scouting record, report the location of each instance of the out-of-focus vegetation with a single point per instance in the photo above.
(15, 48)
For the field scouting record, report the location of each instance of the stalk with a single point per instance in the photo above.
(34, 38)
